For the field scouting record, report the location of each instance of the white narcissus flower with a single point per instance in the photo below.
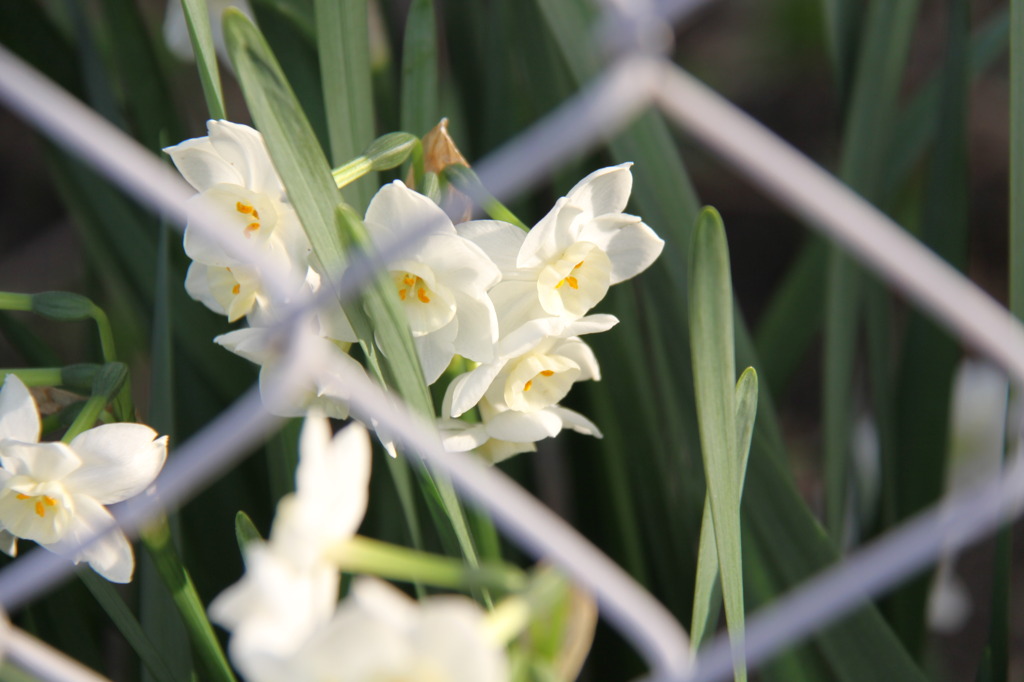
(564, 266)
(290, 588)
(55, 493)
(176, 29)
(314, 387)
(443, 286)
(239, 186)
(378, 633)
(517, 393)
(533, 367)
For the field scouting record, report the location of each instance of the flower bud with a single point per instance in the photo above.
(62, 305)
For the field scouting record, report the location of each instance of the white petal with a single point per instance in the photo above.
(500, 241)
(436, 350)
(495, 451)
(576, 421)
(603, 191)
(111, 556)
(477, 328)
(459, 263)
(118, 461)
(273, 609)
(551, 236)
(333, 477)
(460, 436)
(467, 389)
(243, 147)
(19, 417)
(581, 354)
(8, 543)
(40, 461)
(631, 247)
(522, 427)
(201, 166)
(397, 210)
(197, 284)
(515, 304)
(591, 324)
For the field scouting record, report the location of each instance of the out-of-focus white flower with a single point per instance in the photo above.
(379, 634)
(239, 186)
(176, 30)
(290, 588)
(304, 378)
(443, 286)
(54, 493)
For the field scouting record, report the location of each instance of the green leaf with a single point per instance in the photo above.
(146, 96)
(197, 18)
(929, 353)
(245, 531)
(713, 355)
(707, 590)
(128, 625)
(421, 109)
(157, 539)
(293, 146)
(344, 48)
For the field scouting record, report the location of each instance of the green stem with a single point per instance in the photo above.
(352, 171)
(157, 539)
(466, 181)
(365, 555)
(13, 301)
(35, 376)
(86, 418)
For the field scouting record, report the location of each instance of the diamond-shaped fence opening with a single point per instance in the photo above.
(633, 81)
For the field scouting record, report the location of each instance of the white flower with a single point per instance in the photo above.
(176, 30)
(307, 377)
(290, 588)
(517, 393)
(54, 493)
(534, 366)
(443, 286)
(379, 634)
(238, 185)
(564, 266)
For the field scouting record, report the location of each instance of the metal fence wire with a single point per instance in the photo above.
(636, 78)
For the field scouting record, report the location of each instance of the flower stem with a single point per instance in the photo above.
(35, 376)
(365, 555)
(12, 301)
(352, 171)
(157, 539)
(467, 182)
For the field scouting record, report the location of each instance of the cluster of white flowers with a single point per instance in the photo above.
(54, 493)
(285, 617)
(513, 304)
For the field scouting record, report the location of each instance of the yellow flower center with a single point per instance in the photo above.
(412, 284)
(249, 210)
(41, 502)
(570, 279)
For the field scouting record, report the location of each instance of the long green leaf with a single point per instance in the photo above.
(157, 538)
(329, 224)
(344, 49)
(146, 95)
(707, 589)
(157, 611)
(714, 372)
(421, 109)
(197, 18)
(128, 626)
